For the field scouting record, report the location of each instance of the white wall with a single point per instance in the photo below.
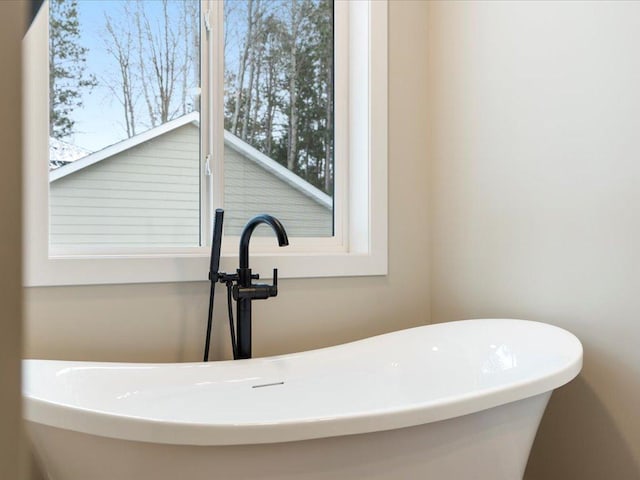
(12, 21)
(535, 194)
(166, 322)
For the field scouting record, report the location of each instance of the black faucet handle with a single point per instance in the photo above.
(254, 291)
(273, 289)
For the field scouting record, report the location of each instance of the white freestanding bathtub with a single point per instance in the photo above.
(452, 401)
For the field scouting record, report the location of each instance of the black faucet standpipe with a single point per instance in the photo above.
(239, 285)
(244, 292)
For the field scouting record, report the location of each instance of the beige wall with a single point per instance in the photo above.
(534, 200)
(535, 194)
(166, 322)
(11, 30)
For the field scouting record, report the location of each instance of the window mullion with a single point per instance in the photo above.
(215, 128)
(212, 113)
(206, 171)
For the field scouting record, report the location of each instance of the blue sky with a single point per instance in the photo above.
(99, 122)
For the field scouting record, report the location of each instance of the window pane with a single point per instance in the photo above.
(124, 122)
(279, 141)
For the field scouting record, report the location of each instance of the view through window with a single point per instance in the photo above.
(278, 111)
(124, 124)
(125, 162)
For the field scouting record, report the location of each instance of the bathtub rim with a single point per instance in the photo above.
(108, 424)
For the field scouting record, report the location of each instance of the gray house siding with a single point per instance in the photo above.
(250, 190)
(146, 195)
(150, 195)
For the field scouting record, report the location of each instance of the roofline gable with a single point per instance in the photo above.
(234, 142)
(279, 171)
(123, 145)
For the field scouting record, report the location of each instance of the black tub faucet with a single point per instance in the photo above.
(248, 229)
(245, 291)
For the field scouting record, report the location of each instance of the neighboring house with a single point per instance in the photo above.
(145, 190)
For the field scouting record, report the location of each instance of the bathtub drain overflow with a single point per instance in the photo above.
(268, 384)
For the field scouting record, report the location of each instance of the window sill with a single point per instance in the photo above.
(195, 267)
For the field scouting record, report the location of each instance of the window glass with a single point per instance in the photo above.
(124, 137)
(279, 114)
(124, 148)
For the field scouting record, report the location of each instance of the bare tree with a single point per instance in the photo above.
(157, 54)
(191, 36)
(242, 67)
(279, 82)
(294, 15)
(255, 58)
(160, 66)
(119, 46)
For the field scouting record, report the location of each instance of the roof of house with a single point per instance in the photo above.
(62, 153)
(232, 141)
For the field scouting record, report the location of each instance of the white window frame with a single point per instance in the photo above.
(360, 244)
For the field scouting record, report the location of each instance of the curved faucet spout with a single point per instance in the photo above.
(273, 222)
